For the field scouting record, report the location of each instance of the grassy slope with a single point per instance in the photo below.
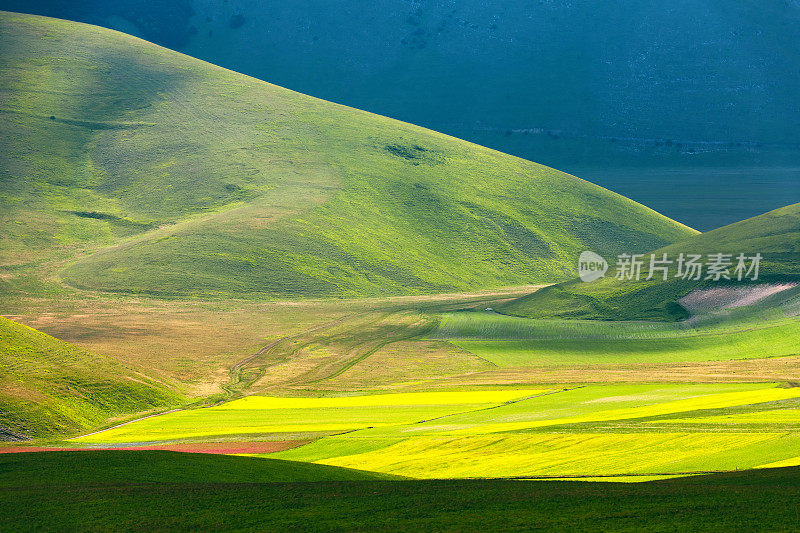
(749, 500)
(465, 69)
(775, 235)
(52, 387)
(207, 182)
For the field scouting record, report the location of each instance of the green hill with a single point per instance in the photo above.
(665, 104)
(51, 387)
(775, 235)
(154, 173)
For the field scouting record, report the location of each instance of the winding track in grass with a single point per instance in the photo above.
(235, 372)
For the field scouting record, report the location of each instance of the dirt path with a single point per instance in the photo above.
(350, 339)
(235, 371)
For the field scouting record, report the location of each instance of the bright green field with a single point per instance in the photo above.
(777, 310)
(776, 341)
(767, 328)
(194, 180)
(771, 418)
(569, 455)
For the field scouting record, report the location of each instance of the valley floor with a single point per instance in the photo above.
(442, 387)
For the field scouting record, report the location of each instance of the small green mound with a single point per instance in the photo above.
(50, 387)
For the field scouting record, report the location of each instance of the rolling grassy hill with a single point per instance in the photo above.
(149, 172)
(49, 387)
(775, 235)
(668, 104)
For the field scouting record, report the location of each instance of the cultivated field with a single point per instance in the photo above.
(630, 431)
(292, 416)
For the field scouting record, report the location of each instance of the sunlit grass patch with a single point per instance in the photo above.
(792, 461)
(408, 398)
(773, 416)
(775, 341)
(269, 415)
(564, 454)
(204, 182)
(708, 401)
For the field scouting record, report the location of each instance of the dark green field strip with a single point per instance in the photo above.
(750, 500)
(119, 467)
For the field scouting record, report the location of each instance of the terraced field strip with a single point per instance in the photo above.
(708, 401)
(774, 416)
